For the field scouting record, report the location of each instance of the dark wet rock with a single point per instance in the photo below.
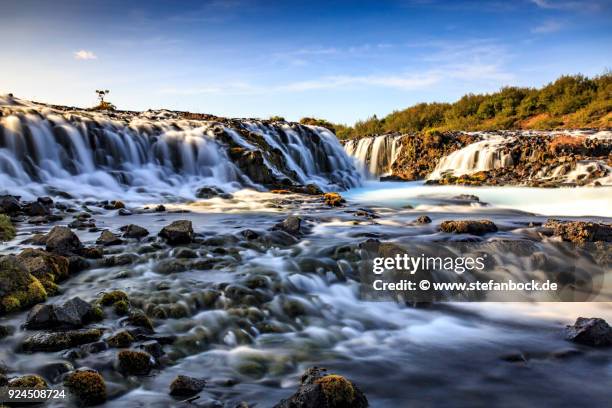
(121, 339)
(36, 239)
(55, 341)
(177, 233)
(73, 313)
(291, 225)
(321, 390)
(134, 231)
(41, 219)
(63, 241)
(28, 381)
(121, 307)
(47, 201)
(77, 264)
(18, 288)
(36, 209)
(5, 331)
(133, 362)
(95, 347)
(185, 386)
(82, 224)
(423, 219)
(124, 212)
(249, 234)
(9, 204)
(210, 192)
(55, 370)
(160, 208)
(365, 212)
(475, 227)
(153, 347)
(170, 266)
(333, 199)
(121, 259)
(580, 231)
(590, 331)
(107, 238)
(185, 253)
(88, 386)
(92, 252)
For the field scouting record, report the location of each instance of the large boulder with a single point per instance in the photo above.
(580, 231)
(590, 331)
(63, 241)
(18, 288)
(319, 389)
(474, 227)
(177, 233)
(73, 313)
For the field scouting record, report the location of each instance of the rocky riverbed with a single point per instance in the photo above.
(228, 300)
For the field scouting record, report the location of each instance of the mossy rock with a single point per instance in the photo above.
(7, 229)
(120, 339)
(18, 288)
(134, 362)
(338, 390)
(28, 381)
(139, 319)
(109, 298)
(88, 386)
(121, 307)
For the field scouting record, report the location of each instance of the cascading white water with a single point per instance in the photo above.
(43, 151)
(375, 154)
(484, 155)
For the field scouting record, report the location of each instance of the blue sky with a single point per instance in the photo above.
(339, 60)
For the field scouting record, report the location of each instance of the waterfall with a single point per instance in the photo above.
(85, 154)
(375, 154)
(484, 155)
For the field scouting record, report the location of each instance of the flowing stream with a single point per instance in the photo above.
(278, 309)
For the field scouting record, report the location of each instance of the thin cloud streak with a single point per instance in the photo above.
(84, 55)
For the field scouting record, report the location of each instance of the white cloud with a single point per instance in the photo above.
(592, 5)
(85, 55)
(549, 26)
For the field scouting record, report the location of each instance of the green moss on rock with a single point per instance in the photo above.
(338, 391)
(18, 288)
(28, 381)
(7, 230)
(109, 298)
(88, 386)
(134, 362)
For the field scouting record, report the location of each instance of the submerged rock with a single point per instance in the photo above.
(208, 192)
(321, 390)
(185, 386)
(475, 227)
(88, 386)
(580, 231)
(177, 233)
(590, 331)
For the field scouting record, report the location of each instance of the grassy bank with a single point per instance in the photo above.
(572, 101)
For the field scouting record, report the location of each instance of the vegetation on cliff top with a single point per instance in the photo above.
(572, 101)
